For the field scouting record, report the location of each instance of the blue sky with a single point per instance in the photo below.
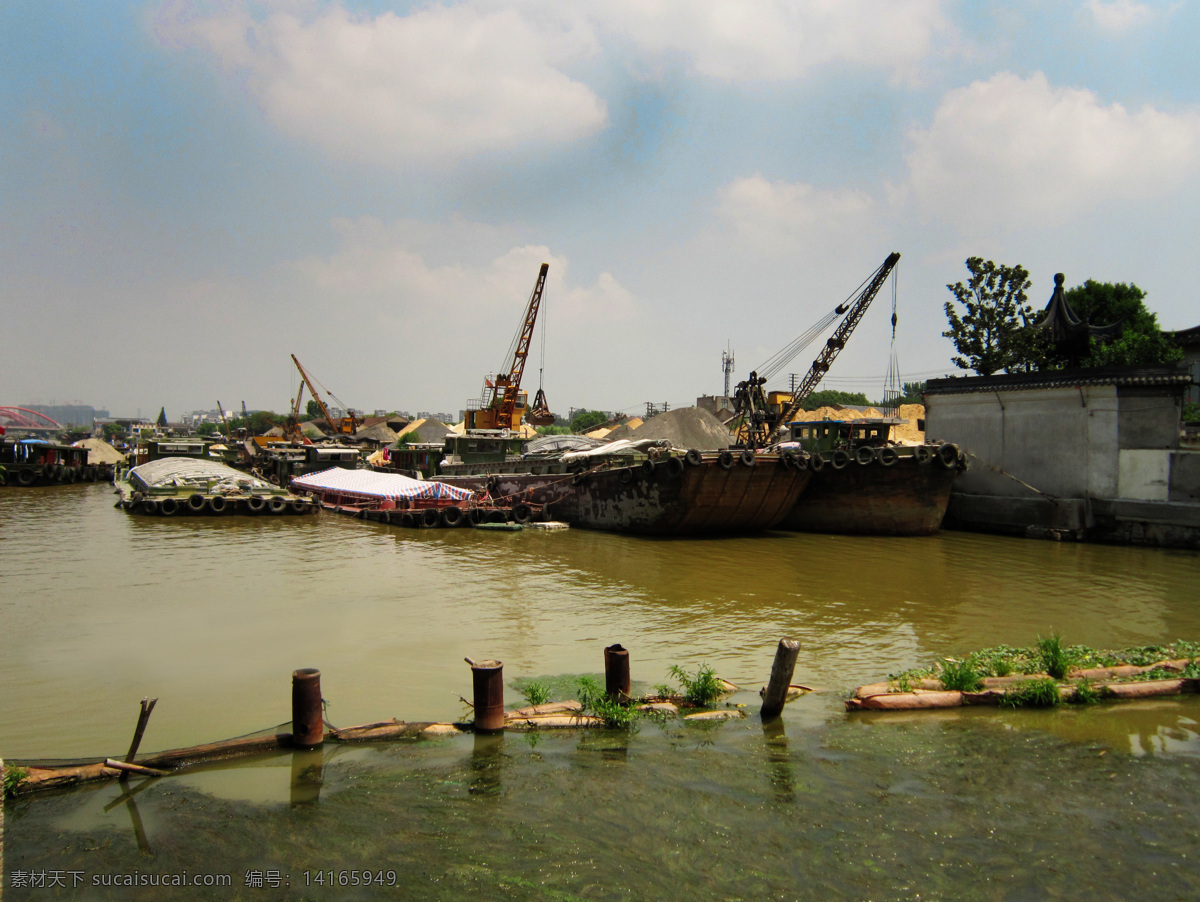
(192, 191)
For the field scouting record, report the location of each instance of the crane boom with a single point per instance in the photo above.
(500, 411)
(346, 425)
(760, 427)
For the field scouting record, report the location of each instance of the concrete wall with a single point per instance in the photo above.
(1062, 441)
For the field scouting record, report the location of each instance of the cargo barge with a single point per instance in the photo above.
(183, 486)
(864, 484)
(35, 462)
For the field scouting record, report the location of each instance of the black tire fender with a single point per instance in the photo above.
(887, 457)
(947, 455)
(864, 454)
(694, 458)
(748, 458)
(839, 459)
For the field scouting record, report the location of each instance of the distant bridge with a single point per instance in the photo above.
(27, 420)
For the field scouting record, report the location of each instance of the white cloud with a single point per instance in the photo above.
(788, 217)
(379, 268)
(434, 86)
(1014, 151)
(1119, 15)
(780, 39)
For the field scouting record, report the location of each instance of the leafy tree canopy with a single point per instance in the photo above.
(162, 417)
(988, 317)
(588, 419)
(913, 393)
(313, 409)
(1140, 342)
(206, 428)
(829, 397)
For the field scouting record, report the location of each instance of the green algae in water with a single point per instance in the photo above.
(967, 806)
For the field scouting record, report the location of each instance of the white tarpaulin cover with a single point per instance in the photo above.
(377, 485)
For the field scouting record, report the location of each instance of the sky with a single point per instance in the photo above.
(192, 191)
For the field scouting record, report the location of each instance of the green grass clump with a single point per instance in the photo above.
(1038, 693)
(1087, 694)
(1056, 658)
(596, 702)
(960, 675)
(701, 688)
(537, 692)
(13, 778)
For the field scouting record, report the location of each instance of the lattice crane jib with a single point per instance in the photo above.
(836, 342)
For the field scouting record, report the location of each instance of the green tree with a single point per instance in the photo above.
(990, 333)
(831, 396)
(1140, 341)
(162, 418)
(585, 420)
(914, 393)
(113, 431)
(206, 429)
(313, 409)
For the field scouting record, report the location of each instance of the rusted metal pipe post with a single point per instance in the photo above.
(488, 681)
(775, 695)
(308, 725)
(616, 672)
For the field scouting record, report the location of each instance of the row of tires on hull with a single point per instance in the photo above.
(55, 474)
(199, 505)
(453, 517)
(946, 456)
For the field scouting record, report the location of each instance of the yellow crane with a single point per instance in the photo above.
(346, 425)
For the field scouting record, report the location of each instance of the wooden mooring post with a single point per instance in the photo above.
(616, 672)
(143, 719)
(775, 695)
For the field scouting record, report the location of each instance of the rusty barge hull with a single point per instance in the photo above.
(907, 498)
(721, 493)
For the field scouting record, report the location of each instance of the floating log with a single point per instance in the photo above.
(538, 710)
(554, 720)
(134, 768)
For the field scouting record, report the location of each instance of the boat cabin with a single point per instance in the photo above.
(158, 448)
(825, 436)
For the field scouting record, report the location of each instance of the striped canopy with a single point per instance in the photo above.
(373, 484)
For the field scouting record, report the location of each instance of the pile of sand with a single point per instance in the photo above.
(685, 427)
(101, 452)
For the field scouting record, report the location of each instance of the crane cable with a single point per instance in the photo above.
(776, 364)
(893, 390)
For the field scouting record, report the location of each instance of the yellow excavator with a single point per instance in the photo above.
(502, 404)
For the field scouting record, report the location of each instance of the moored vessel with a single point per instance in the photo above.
(863, 484)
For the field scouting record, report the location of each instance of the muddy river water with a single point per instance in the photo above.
(211, 615)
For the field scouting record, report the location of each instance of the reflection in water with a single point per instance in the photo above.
(307, 775)
(487, 763)
(778, 760)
